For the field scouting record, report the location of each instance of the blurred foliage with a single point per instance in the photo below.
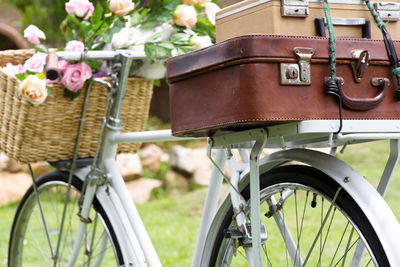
(47, 15)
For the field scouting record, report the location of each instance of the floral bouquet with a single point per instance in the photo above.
(160, 28)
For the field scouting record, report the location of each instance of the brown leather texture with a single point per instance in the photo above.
(236, 84)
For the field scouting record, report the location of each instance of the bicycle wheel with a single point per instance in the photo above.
(323, 224)
(30, 245)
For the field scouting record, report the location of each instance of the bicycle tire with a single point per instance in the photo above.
(219, 249)
(27, 217)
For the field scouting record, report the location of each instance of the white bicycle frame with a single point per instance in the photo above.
(135, 243)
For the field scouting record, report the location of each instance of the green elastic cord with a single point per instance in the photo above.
(375, 15)
(332, 41)
(396, 71)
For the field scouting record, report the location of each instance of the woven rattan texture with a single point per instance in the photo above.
(47, 132)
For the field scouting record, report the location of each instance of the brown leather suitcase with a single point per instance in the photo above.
(255, 81)
(306, 17)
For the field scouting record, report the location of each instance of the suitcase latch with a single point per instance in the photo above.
(359, 64)
(300, 73)
(388, 11)
(295, 8)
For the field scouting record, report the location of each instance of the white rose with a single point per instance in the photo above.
(121, 7)
(33, 89)
(185, 16)
(121, 39)
(211, 10)
(152, 70)
(199, 42)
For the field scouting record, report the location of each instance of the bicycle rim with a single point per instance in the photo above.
(324, 225)
(33, 239)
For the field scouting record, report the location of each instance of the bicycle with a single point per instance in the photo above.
(95, 219)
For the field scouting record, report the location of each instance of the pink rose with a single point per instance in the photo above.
(36, 62)
(13, 70)
(33, 34)
(75, 76)
(62, 65)
(185, 16)
(80, 8)
(121, 7)
(75, 46)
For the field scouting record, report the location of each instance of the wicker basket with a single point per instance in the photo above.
(47, 132)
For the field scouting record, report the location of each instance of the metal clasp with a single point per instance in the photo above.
(359, 64)
(295, 8)
(388, 11)
(298, 74)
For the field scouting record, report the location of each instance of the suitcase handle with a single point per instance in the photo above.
(364, 103)
(364, 23)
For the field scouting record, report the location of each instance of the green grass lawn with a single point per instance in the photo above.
(172, 221)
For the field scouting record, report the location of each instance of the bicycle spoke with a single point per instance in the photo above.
(322, 226)
(45, 228)
(266, 255)
(90, 248)
(327, 234)
(284, 232)
(352, 245)
(340, 241)
(347, 247)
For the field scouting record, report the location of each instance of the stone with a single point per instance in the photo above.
(175, 180)
(130, 166)
(140, 189)
(183, 159)
(13, 186)
(202, 173)
(9, 165)
(151, 157)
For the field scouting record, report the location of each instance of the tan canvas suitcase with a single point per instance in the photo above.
(351, 18)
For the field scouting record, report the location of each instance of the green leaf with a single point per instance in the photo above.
(31, 72)
(21, 76)
(49, 92)
(148, 25)
(183, 49)
(135, 18)
(155, 36)
(97, 15)
(180, 38)
(151, 51)
(73, 21)
(41, 48)
(158, 50)
(167, 45)
(107, 37)
(71, 95)
(171, 4)
(94, 65)
(41, 75)
(157, 82)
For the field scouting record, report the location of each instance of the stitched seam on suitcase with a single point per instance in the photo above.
(276, 119)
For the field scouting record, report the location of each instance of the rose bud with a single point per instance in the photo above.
(121, 7)
(80, 8)
(33, 34)
(185, 16)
